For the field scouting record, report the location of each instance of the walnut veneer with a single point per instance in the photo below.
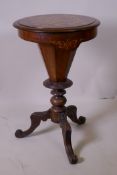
(58, 37)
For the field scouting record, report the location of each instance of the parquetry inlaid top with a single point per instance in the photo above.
(56, 23)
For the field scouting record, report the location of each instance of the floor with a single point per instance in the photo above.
(43, 152)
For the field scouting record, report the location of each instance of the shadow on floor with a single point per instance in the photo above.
(43, 131)
(89, 129)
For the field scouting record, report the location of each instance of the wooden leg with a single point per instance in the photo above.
(72, 114)
(36, 118)
(66, 131)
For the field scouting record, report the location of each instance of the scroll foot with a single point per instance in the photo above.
(72, 114)
(66, 131)
(36, 118)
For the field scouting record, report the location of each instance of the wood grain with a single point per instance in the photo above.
(58, 36)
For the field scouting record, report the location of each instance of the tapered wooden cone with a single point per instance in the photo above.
(57, 61)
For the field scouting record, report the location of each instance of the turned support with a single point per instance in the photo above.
(58, 101)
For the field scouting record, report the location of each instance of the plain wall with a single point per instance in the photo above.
(22, 70)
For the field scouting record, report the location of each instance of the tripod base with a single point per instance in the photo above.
(56, 117)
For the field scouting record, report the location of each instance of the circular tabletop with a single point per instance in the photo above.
(56, 23)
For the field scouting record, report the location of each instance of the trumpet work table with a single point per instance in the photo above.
(58, 37)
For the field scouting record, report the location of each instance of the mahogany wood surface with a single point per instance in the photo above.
(56, 23)
(58, 37)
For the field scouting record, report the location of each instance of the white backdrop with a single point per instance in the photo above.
(22, 71)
